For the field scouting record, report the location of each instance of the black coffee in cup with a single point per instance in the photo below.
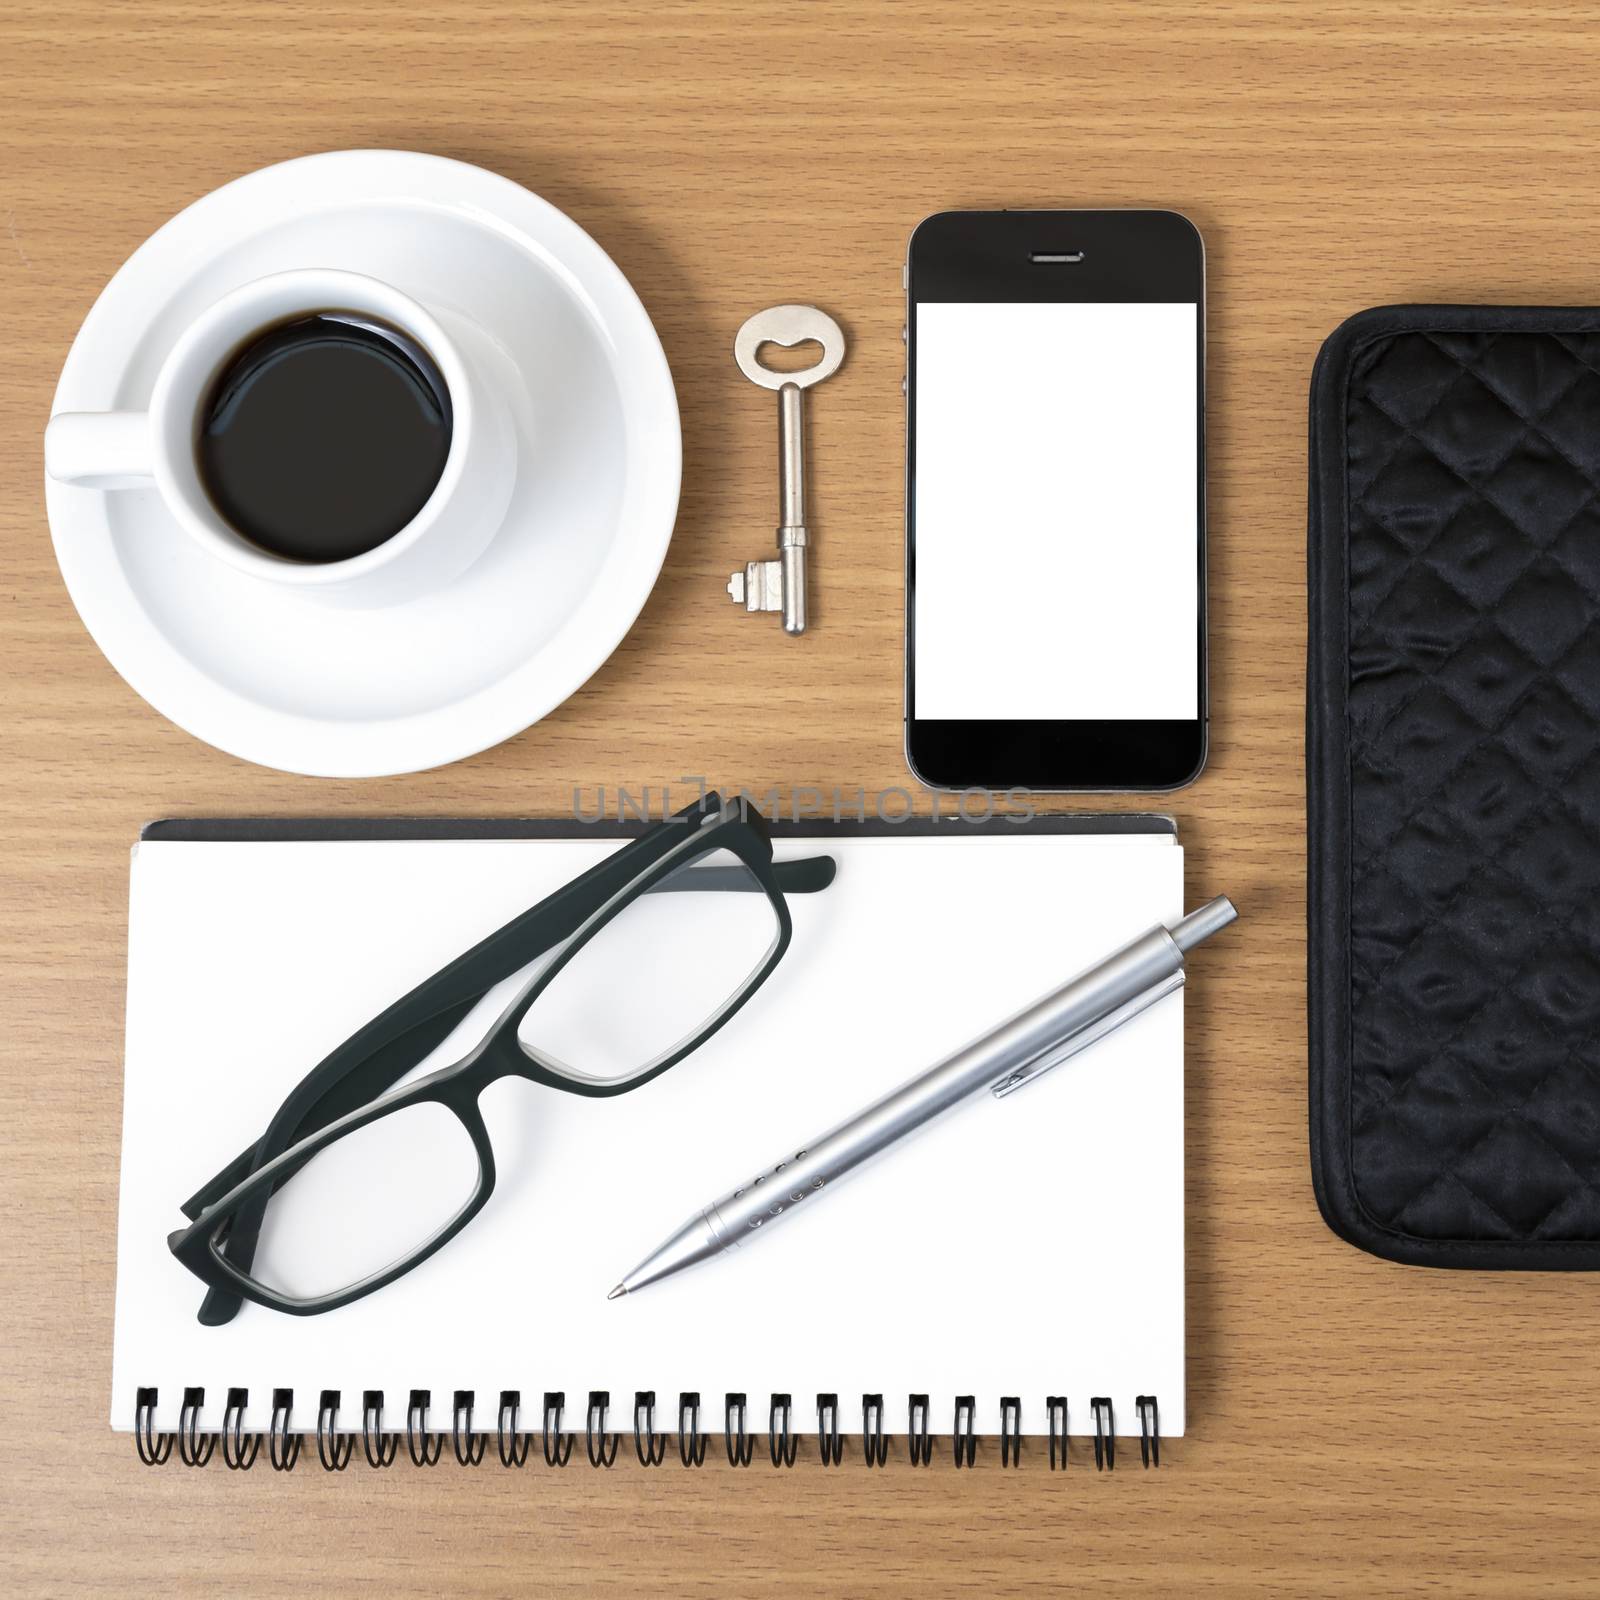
(324, 436)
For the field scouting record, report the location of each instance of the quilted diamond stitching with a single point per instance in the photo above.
(1481, 642)
(1408, 571)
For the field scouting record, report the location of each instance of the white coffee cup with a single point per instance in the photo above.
(114, 450)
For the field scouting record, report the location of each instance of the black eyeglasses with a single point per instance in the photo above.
(629, 987)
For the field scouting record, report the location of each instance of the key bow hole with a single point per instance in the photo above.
(798, 355)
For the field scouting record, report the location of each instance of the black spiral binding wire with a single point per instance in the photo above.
(829, 1444)
(919, 1437)
(874, 1446)
(648, 1445)
(332, 1448)
(468, 1446)
(283, 1447)
(153, 1447)
(380, 1447)
(691, 1442)
(1149, 1430)
(782, 1448)
(194, 1447)
(557, 1445)
(1010, 1430)
(739, 1452)
(963, 1432)
(1105, 1433)
(238, 1453)
(602, 1446)
(1056, 1406)
(423, 1447)
(514, 1446)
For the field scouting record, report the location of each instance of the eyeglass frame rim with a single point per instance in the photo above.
(498, 1054)
(535, 932)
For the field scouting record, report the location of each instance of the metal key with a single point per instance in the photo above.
(780, 585)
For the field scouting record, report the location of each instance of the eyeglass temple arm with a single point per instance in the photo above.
(382, 1052)
(808, 875)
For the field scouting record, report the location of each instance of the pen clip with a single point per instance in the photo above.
(1084, 1037)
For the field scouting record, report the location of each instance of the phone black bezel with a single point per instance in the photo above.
(986, 256)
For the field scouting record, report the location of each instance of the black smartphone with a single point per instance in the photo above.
(1055, 500)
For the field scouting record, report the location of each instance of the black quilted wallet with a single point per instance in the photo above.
(1453, 765)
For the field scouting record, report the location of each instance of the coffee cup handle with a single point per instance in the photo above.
(100, 449)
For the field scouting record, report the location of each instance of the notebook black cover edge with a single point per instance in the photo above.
(262, 830)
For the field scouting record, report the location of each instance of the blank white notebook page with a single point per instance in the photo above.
(1030, 1247)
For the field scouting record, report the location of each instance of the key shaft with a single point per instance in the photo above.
(792, 536)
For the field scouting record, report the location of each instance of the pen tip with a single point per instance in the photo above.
(617, 1293)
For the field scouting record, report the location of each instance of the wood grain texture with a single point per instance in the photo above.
(1357, 1428)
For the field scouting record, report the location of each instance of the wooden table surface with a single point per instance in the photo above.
(1356, 1428)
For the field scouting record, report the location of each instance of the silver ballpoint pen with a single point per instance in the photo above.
(1022, 1048)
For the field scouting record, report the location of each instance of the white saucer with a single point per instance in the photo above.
(270, 676)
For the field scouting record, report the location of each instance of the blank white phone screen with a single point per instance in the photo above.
(1056, 508)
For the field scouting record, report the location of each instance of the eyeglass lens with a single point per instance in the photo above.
(365, 1201)
(655, 976)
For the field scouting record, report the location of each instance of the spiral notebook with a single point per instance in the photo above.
(1017, 1269)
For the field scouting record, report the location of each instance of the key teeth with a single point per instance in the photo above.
(759, 587)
